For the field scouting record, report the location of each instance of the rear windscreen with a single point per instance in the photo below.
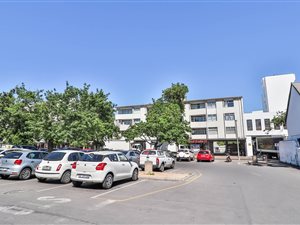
(92, 158)
(13, 155)
(203, 152)
(55, 156)
(149, 153)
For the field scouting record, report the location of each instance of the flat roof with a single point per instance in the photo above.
(187, 101)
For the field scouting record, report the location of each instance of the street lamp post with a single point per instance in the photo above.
(237, 141)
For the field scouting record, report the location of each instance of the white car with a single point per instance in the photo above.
(185, 154)
(103, 167)
(57, 165)
(160, 159)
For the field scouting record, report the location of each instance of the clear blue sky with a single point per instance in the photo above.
(133, 49)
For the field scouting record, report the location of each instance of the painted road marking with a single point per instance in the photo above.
(188, 181)
(15, 210)
(54, 199)
(117, 189)
(48, 189)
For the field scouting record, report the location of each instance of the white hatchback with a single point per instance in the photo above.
(57, 165)
(103, 167)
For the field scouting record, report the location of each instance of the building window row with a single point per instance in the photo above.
(212, 117)
(258, 125)
(129, 122)
(204, 131)
(203, 105)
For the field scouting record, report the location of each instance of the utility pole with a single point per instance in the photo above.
(237, 141)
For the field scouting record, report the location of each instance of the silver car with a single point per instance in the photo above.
(20, 163)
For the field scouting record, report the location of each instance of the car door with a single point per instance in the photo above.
(34, 159)
(169, 159)
(116, 166)
(125, 166)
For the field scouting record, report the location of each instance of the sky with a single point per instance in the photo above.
(135, 49)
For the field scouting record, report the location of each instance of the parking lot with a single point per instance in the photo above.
(216, 192)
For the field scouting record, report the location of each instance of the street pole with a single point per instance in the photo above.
(237, 141)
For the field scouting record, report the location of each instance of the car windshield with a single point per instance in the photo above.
(55, 156)
(13, 155)
(92, 158)
(149, 153)
(204, 152)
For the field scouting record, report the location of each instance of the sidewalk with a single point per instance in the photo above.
(233, 157)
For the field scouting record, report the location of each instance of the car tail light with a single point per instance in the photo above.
(157, 161)
(58, 168)
(101, 166)
(18, 162)
(74, 165)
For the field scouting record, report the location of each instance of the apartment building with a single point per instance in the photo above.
(216, 124)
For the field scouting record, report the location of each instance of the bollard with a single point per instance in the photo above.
(148, 167)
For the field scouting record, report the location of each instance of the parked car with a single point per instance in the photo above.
(4, 152)
(103, 167)
(132, 155)
(185, 154)
(20, 163)
(160, 159)
(205, 155)
(57, 165)
(25, 147)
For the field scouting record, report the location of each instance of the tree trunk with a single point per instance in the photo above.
(50, 145)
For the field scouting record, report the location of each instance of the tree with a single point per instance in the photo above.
(164, 121)
(176, 94)
(279, 119)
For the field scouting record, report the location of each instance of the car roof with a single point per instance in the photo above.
(66, 151)
(105, 152)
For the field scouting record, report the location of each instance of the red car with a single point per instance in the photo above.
(205, 155)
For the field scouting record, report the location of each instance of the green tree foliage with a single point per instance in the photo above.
(164, 121)
(76, 117)
(279, 119)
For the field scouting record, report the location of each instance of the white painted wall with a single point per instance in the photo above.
(293, 119)
(289, 152)
(276, 92)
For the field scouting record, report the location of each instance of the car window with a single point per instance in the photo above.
(33, 155)
(13, 155)
(149, 153)
(168, 154)
(131, 154)
(55, 156)
(113, 157)
(81, 154)
(43, 154)
(92, 158)
(122, 157)
(204, 152)
(73, 157)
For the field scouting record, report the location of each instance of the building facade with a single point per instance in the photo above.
(293, 112)
(276, 92)
(217, 124)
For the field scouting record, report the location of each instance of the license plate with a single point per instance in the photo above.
(84, 176)
(47, 168)
(3, 169)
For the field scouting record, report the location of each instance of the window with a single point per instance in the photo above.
(258, 124)
(198, 106)
(249, 125)
(73, 157)
(33, 155)
(125, 111)
(92, 157)
(113, 158)
(200, 118)
(267, 124)
(137, 120)
(228, 103)
(230, 130)
(213, 130)
(126, 122)
(212, 117)
(229, 116)
(122, 157)
(137, 109)
(211, 105)
(13, 155)
(55, 156)
(199, 131)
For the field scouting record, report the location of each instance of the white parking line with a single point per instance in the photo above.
(17, 182)
(48, 189)
(108, 192)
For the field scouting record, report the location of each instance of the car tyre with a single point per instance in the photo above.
(41, 179)
(135, 175)
(189, 159)
(25, 174)
(4, 176)
(162, 168)
(66, 177)
(76, 183)
(173, 165)
(108, 181)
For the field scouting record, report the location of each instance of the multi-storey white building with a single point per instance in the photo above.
(276, 92)
(216, 124)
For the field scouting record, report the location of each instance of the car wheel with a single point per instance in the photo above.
(173, 165)
(162, 168)
(66, 177)
(108, 181)
(41, 179)
(189, 159)
(193, 159)
(25, 174)
(4, 176)
(76, 183)
(198, 160)
(135, 175)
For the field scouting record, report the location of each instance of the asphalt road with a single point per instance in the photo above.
(215, 193)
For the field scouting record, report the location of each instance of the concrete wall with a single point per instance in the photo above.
(289, 152)
(293, 119)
